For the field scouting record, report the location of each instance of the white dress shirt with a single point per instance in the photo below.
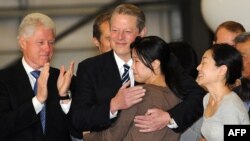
(37, 105)
(120, 64)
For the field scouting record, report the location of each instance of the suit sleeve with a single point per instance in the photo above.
(86, 112)
(191, 108)
(14, 120)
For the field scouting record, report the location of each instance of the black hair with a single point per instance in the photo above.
(186, 55)
(225, 54)
(151, 48)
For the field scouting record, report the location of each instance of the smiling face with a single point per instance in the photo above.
(123, 33)
(208, 72)
(142, 73)
(38, 47)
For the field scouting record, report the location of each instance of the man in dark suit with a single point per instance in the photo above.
(100, 93)
(30, 107)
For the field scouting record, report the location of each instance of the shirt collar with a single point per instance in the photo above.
(120, 62)
(27, 67)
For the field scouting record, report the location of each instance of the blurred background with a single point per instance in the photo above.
(173, 20)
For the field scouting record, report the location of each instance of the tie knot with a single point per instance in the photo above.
(35, 73)
(126, 66)
(125, 75)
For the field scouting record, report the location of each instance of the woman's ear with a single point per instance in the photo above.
(223, 70)
(156, 64)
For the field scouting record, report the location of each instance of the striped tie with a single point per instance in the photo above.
(36, 74)
(125, 75)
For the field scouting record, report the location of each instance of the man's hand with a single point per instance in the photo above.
(64, 79)
(126, 97)
(153, 120)
(42, 89)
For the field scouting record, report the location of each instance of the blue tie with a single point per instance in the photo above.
(36, 74)
(125, 75)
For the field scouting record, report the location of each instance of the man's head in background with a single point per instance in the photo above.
(101, 32)
(242, 44)
(227, 31)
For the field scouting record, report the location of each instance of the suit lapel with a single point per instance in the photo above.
(22, 87)
(113, 69)
(107, 76)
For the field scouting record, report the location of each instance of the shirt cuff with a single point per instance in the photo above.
(65, 106)
(172, 124)
(113, 115)
(37, 105)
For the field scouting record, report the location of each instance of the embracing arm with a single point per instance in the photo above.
(184, 114)
(98, 92)
(191, 108)
(86, 113)
(117, 131)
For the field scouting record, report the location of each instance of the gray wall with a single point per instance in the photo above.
(77, 45)
(178, 20)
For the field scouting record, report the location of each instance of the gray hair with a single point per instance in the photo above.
(243, 37)
(132, 10)
(31, 21)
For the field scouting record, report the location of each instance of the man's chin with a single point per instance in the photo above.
(45, 61)
(122, 48)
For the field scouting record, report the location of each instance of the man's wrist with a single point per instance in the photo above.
(66, 97)
(172, 124)
(171, 121)
(113, 115)
(113, 108)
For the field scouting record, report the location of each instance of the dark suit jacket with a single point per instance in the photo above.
(18, 119)
(97, 82)
(191, 107)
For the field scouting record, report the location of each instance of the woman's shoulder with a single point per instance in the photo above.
(163, 92)
(233, 99)
(150, 88)
(233, 105)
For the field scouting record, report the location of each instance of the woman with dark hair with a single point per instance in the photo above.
(154, 65)
(220, 67)
(186, 55)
